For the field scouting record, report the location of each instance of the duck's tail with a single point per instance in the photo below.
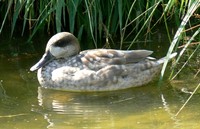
(162, 60)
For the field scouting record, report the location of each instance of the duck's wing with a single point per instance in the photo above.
(99, 58)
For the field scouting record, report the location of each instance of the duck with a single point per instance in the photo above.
(64, 67)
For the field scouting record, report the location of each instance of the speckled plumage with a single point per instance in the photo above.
(63, 67)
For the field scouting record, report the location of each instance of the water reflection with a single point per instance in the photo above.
(132, 108)
(172, 115)
(88, 110)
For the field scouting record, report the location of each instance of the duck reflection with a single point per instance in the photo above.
(79, 110)
(103, 109)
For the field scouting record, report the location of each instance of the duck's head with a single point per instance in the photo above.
(61, 45)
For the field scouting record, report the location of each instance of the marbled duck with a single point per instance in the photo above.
(64, 67)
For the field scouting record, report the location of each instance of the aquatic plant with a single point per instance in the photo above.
(97, 19)
(181, 32)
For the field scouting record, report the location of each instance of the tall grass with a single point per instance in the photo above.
(97, 19)
(192, 7)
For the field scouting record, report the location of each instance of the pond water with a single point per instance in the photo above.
(24, 104)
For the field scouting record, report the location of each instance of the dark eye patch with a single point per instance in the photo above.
(62, 42)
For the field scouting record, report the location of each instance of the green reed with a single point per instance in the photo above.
(180, 32)
(98, 19)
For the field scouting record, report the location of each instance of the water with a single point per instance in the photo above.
(24, 104)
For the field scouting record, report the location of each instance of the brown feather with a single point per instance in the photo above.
(102, 57)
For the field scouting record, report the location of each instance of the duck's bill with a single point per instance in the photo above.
(47, 57)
